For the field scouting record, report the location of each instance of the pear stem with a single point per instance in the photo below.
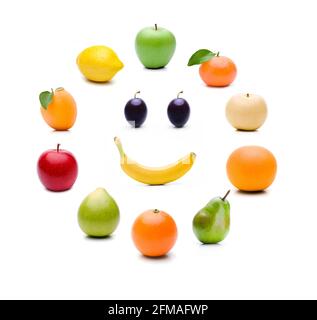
(226, 195)
(155, 26)
(119, 146)
(179, 93)
(138, 92)
(57, 148)
(248, 95)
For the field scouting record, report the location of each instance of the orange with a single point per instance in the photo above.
(60, 112)
(154, 233)
(251, 168)
(218, 71)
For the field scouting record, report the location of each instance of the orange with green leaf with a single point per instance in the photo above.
(215, 70)
(58, 109)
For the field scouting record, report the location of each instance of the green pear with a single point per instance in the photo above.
(212, 223)
(98, 214)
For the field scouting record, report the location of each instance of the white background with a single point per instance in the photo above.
(271, 250)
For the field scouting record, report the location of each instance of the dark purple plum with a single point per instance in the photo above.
(178, 111)
(135, 111)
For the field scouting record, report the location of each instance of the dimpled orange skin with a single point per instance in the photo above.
(61, 113)
(218, 72)
(154, 233)
(251, 168)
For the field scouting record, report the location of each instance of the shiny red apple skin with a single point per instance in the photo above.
(57, 169)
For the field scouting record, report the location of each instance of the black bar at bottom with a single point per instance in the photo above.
(130, 309)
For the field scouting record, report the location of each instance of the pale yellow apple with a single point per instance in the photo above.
(246, 111)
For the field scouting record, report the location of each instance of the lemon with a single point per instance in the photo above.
(99, 63)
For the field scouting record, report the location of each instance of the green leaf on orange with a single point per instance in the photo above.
(201, 56)
(46, 98)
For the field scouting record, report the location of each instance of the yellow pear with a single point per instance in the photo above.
(246, 111)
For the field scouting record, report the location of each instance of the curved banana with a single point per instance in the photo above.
(154, 176)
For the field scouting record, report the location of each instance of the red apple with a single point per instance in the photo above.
(57, 169)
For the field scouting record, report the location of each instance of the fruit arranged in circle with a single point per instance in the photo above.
(246, 111)
(153, 175)
(99, 63)
(178, 111)
(155, 47)
(212, 223)
(251, 168)
(57, 169)
(98, 214)
(58, 109)
(214, 70)
(154, 233)
(135, 111)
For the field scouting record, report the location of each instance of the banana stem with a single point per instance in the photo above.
(119, 146)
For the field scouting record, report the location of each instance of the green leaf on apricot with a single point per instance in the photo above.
(46, 98)
(201, 56)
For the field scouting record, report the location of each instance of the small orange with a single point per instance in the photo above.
(251, 168)
(154, 233)
(218, 71)
(58, 109)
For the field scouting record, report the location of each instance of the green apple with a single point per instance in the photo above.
(98, 214)
(212, 223)
(155, 47)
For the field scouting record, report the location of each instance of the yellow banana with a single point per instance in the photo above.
(154, 176)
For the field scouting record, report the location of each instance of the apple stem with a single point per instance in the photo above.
(179, 93)
(138, 92)
(218, 53)
(156, 211)
(248, 95)
(155, 26)
(58, 145)
(226, 195)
